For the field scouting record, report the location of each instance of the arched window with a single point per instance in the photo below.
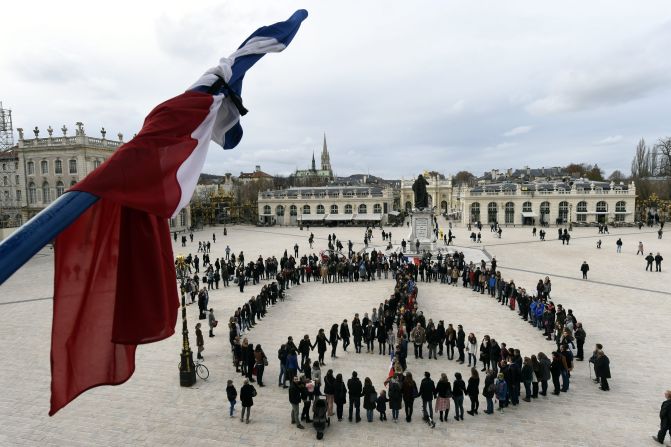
(5, 181)
(334, 209)
(73, 166)
(320, 209)
(581, 211)
(18, 220)
(408, 206)
(46, 193)
(306, 209)
(348, 209)
(526, 207)
(58, 167)
(73, 183)
(563, 211)
(377, 208)
(545, 212)
(620, 211)
(492, 212)
(601, 211)
(510, 213)
(60, 188)
(279, 210)
(363, 209)
(475, 212)
(32, 193)
(267, 210)
(443, 206)
(44, 167)
(31, 168)
(293, 211)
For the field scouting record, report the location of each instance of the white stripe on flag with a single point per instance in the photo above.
(189, 171)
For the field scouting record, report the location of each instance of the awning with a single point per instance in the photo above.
(529, 214)
(367, 216)
(339, 217)
(311, 217)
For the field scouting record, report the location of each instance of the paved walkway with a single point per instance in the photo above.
(621, 306)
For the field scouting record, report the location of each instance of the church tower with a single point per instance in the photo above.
(314, 167)
(326, 161)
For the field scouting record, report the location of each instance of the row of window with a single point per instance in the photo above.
(46, 191)
(5, 180)
(293, 209)
(58, 167)
(6, 166)
(563, 211)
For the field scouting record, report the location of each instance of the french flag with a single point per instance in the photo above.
(115, 285)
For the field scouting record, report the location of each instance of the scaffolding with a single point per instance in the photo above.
(6, 129)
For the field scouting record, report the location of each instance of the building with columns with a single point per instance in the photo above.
(575, 201)
(326, 205)
(36, 171)
(441, 193)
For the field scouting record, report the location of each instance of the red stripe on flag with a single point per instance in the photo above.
(115, 284)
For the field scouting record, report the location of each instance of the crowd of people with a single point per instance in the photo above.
(396, 325)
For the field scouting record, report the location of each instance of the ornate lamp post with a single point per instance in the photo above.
(187, 370)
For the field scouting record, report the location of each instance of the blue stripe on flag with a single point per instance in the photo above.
(233, 136)
(284, 32)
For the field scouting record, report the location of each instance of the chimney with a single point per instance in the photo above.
(258, 168)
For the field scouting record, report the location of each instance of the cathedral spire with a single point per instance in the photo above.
(326, 160)
(314, 167)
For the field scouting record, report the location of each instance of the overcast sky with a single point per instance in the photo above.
(398, 87)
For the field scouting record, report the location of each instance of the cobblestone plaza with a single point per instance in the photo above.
(621, 306)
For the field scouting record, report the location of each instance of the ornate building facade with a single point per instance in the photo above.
(441, 193)
(577, 202)
(327, 205)
(37, 171)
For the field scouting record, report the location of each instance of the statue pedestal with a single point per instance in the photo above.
(422, 228)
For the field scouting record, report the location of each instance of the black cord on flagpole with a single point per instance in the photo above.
(235, 98)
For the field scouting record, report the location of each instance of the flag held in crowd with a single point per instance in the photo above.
(115, 283)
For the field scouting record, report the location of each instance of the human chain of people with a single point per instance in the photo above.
(398, 324)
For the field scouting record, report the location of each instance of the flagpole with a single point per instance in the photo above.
(21, 245)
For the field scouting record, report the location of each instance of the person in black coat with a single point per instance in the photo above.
(488, 391)
(472, 389)
(247, 393)
(461, 343)
(339, 395)
(295, 401)
(333, 340)
(354, 389)
(458, 390)
(427, 390)
(320, 343)
(382, 339)
(344, 334)
(440, 334)
(602, 369)
(664, 418)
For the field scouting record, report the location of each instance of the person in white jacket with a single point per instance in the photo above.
(472, 348)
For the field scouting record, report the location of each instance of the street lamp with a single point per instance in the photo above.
(570, 217)
(187, 370)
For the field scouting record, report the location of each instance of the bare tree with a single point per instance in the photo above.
(640, 165)
(617, 176)
(663, 156)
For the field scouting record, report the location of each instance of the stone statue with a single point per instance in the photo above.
(421, 197)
